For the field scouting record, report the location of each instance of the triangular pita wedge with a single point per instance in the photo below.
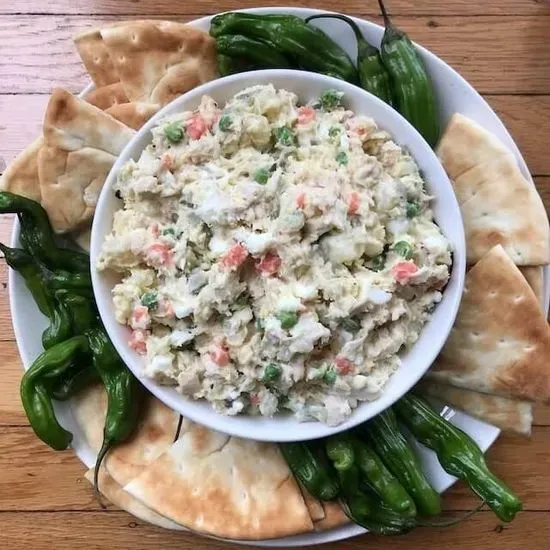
(334, 517)
(314, 506)
(113, 492)
(71, 123)
(225, 487)
(154, 434)
(21, 176)
(499, 206)
(510, 415)
(465, 144)
(500, 343)
(82, 238)
(534, 275)
(96, 58)
(70, 184)
(107, 96)
(159, 60)
(134, 115)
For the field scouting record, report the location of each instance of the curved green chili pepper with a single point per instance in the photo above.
(310, 47)
(458, 454)
(123, 392)
(37, 236)
(80, 283)
(391, 446)
(366, 510)
(310, 469)
(82, 310)
(60, 328)
(382, 481)
(49, 366)
(413, 91)
(25, 265)
(373, 76)
(73, 382)
(257, 51)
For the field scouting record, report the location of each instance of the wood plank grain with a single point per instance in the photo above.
(541, 415)
(6, 329)
(105, 530)
(543, 187)
(499, 54)
(520, 115)
(169, 7)
(514, 459)
(11, 411)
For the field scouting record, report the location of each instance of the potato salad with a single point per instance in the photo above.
(274, 256)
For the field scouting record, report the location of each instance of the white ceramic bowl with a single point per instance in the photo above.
(447, 214)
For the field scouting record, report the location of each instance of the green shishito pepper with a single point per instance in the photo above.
(230, 65)
(458, 454)
(382, 481)
(259, 52)
(37, 236)
(373, 76)
(340, 451)
(383, 434)
(308, 46)
(60, 328)
(366, 510)
(123, 392)
(49, 366)
(73, 382)
(82, 311)
(309, 468)
(413, 91)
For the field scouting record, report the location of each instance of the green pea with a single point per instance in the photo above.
(331, 99)
(169, 231)
(413, 208)
(350, 324)
(261, 176)
(272, 373)
(334, 131)
(403, 248)
(284, 136)
(342, 158)
(330, 376)
(288, 319)
(378, 262)
(173, 132)
(149, 300)
(225, 123)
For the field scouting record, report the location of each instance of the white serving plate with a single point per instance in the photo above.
(456, 95)
(415, 362)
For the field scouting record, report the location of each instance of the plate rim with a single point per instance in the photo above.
(81, 449)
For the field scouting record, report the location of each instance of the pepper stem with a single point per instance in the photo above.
(101, 455)
(178, 429)
(385, 15)
(454, 521)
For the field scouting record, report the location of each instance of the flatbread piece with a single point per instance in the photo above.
(510, 415)
(113, 492)
(500, 343)
(96, 58)
(134, 115)
(21, 176)
(534, 275)
(159, 60)
(107, 96)
(334, 517)
(498, 205)
(226, 487)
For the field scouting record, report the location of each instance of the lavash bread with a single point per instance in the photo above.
(510, 415)
(500, 343)
(498, 205)
(107, 96)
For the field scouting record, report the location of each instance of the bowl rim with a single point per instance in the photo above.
(264, 428)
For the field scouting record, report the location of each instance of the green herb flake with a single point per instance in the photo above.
(342, 158)
(169, 231)
(288, 319)
(331, 99)
(334, 131)
(330, 376)
(173, 132)
(378, 262)
(225, 124)
(149, 300)
(403, 248)
(261, 176)
(350, 324)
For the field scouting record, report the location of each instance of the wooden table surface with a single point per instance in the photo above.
(502, 47)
